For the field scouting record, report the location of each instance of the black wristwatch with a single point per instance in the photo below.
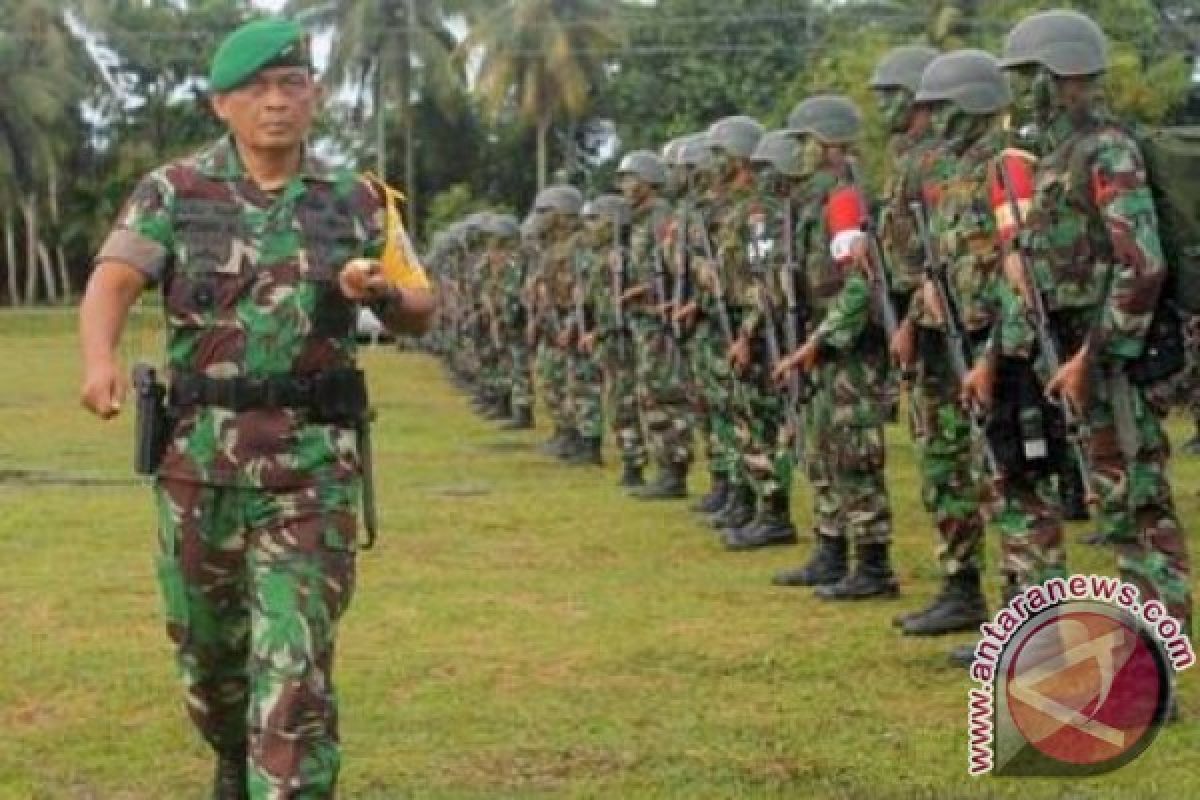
(388, 301)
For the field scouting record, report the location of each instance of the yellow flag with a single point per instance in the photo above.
(399, 260)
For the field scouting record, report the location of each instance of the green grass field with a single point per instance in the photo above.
(521, 630)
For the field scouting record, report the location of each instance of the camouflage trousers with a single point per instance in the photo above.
(763, 442)
(662, 393)
(1136, 510)
(585, 389)
(846, 454)
(952, 487)
(552, 384)
(520, 376)
(254, 583)
(714, 384)
(494, 368)
(620, 370)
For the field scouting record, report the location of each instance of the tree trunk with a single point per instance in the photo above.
(10, 255)
(60, 255)
(410, 164)
(543, 131)
(380, 122)
(29, 213)
(47, 273)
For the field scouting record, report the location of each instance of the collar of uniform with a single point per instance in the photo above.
(220, 161)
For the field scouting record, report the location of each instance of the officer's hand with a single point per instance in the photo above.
(1071, 382)
(783, 369)
(904, 344)
(588, 343)
(634, 293)
(563, 340)
(104, 389)
(933, 302)
(807, 355)
(979, 386)
(686, 313)
(739, 354)
(362, 279)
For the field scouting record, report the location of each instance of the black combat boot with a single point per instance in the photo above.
(712, 502)
(587, 453)
(737, 511)
(963, 655)
(872, 577)
(631, 477)
(770, 527)
(572, 442)
(521, 419)
(671, 483)
(959, 607)
(1092, 539)
(826, 566)
(1192, 446)
(501, 407)
(554, 445)
(1074, 496)
(229, 782)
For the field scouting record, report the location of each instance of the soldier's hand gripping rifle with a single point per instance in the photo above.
(716, 266)
(877, 275)
(617, 281)
(662, 299)
(682, 290)
(1076, 429)
(793, 327)
(935, 273)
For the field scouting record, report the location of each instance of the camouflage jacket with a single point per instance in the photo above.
(556, 281)
(646, 237)
(898, 230)
(964, 230)
(767, 259)
(1093, 234)
(730, 224)
(823, 279)
(249, 287)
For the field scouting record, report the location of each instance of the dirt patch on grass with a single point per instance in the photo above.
(538, 768)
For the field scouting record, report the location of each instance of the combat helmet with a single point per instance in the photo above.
(607, 206)
(562, 198)
(970, 79)
(832, 118)
(1065, 42)
(737, 136)
(778, 150)
(644, 165)
(501, 226)
(901, 68)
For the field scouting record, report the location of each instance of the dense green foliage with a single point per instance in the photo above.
(476, 97)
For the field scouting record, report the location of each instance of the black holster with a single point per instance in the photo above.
(152, 426)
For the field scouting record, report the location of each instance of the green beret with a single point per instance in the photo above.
(272, 41)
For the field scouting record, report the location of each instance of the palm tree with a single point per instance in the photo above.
(390, 51)
(43, 74)
(542, 58)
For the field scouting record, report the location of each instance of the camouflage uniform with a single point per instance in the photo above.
(586, 376)
(614, 347)
(662, 397)
(844, 420)
(554, 281)
(1092, 233)
(514, 312)
(256, 507)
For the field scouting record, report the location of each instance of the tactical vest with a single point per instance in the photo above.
(1072, 254)
(823, 279)
(966, 236)
(303, 323)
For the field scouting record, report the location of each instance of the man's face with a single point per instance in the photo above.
(273, 110)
